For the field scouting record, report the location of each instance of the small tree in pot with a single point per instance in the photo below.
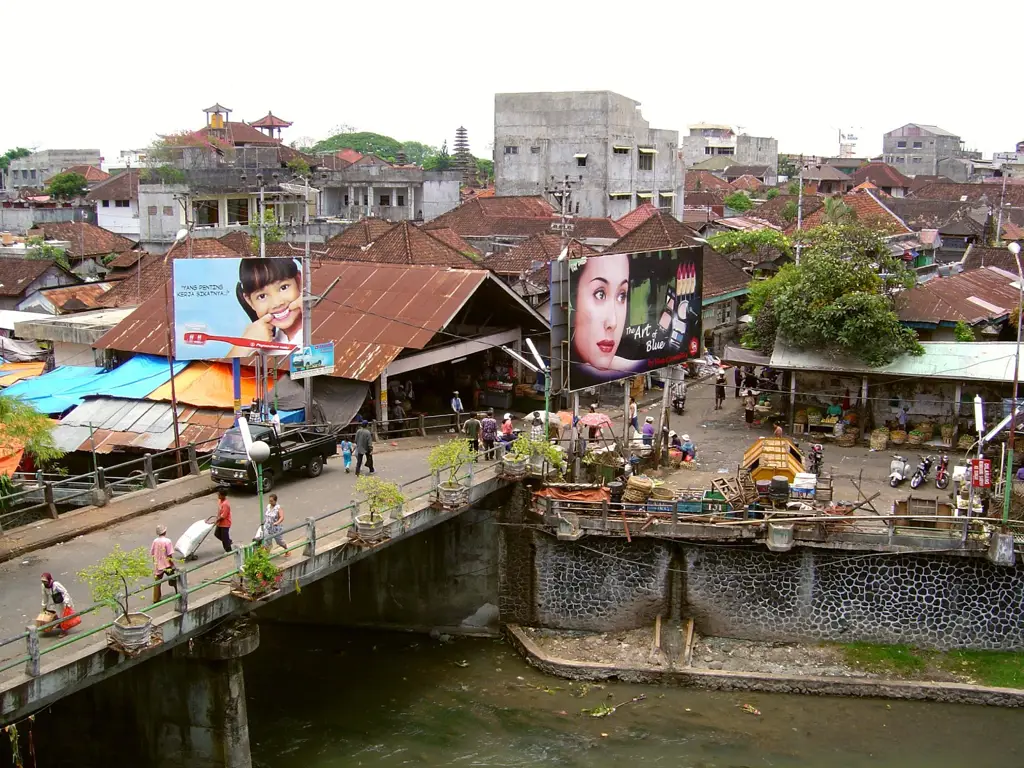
(515, 463)
(111, 581)
(451, 458)
(380, 495)
(260, 576)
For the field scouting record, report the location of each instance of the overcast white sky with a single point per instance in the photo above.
(113, 73)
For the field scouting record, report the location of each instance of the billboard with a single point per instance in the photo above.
(234, 307)
(317, 360)
(630, 313)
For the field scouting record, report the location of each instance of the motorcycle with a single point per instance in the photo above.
(899, 469)
(921, 473)
(816, 458)
(942, 472)
(768, 380)
(679, 399)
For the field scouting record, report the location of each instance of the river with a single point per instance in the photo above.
(321, 697)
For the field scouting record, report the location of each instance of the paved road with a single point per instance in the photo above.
(300, 498)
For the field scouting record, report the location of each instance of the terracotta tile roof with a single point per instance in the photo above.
(451, 237)
(361, 234)
(947, 216)
(406, 243)
(979, 256)
(636, 217)
(771, 210)
(85, 239)
(236, 133)
(747, 183)
(16, 275)
(534, 250)
(757, 171)
(126, 260)
(662, 230)
(924, 179)
(372, 159)
(348, 155)
(331, 163)
(706, 197)
(704, 180)
(721, 276)
(870, 211)
(824, 173)
(598, 229)
(983, 193)
(973, 296)
(76, 298)
(1012, 231)
(123, 186)
(271, 121)
(881, 175)
(90, 173)
(487, 216)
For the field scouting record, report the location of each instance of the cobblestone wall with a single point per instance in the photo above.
(930, 601)
(515, 562)
(601, 585)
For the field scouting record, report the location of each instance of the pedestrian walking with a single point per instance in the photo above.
(472, 429)
(273, 525)
(275, 420)
(537, 429)
(223, 520)
(748, 407)
(364, 448)
(347, 447)
(162, 552)
(648, 431)
(719, 390)
(633, 418)
(457, 409)
(778, 430)
(737, 377)
(489, 433)
(57, 600)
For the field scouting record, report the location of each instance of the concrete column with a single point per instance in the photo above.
(410, 201)
(351, 200)
(382, 402)
(369, 200)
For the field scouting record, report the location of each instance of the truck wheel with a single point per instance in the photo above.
(315, 466)
(268, 481)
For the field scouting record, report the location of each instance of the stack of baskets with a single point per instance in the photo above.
(927, 430)
(675, 457)
(965, 442)
(914, 437)
(946, 430)
(898, 437)
(879, 439)
(662, 493)
(637, 489)
(848, 438)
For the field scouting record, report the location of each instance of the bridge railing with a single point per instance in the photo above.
(314, 528)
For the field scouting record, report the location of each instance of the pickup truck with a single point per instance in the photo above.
(302, 447)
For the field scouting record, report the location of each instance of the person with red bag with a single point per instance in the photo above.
(57, 600)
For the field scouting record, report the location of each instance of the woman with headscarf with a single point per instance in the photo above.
(57, 600)
(648, 431)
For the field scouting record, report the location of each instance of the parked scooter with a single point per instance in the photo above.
(816, 458)
(942, 472)
(679, 398)
(921, 473)
(899, 470)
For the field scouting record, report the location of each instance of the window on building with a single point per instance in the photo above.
(32, 173)
(106, 203)
(346, 200)
(915, 159)
(533, 151)
(385, 200)
(122, 204)
(726, 151)
(168, 210)
(709, 150)
(24, 174)
(918, 145)
(511, 149)
(620, 150)
(577, 207)
(238, 210)
(581, 161)
(645, 162)
(901, 144)
(401, 200)
(898, 159)
(151, 210)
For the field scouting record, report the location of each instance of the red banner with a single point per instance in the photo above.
(981, 473)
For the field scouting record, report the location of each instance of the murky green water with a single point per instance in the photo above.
(321, 698)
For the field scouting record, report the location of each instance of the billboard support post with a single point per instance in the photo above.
(663, 422)
(307, 305)
(575, 436)
(626, 389)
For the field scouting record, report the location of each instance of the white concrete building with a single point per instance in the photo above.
(598, 139)
(707, 140)
(34, 170)
(117, 204)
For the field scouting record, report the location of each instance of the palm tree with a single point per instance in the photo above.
(838, 212)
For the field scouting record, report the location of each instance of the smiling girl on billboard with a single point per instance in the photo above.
(270, 293)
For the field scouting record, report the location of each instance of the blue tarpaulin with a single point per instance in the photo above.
(67, 386)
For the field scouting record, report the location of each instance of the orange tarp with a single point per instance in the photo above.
(583, 494)
(12, 372)
(207, 385)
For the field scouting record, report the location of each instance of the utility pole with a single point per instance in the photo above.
(562, 192)
(307, 304)
(1002, 198)
(799, 208)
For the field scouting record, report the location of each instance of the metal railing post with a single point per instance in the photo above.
(193, 461)
(32, 665)
(182, 577)
(51, 507)
(101, 494)
(604, 514)
(239, 558)
(310, 549)
(422, 425)
(147, 467)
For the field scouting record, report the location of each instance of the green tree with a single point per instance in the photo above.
(364, 142)
(12, 154)
(789, 211)
(65, 186)
(112, 578)
(23, 425)
(838, 212)
(787, 167)
(273, 232)
(39, 249)
(417, 152)
(771, 194)
(442, 161)
(738, 201)
(298, 166)
(962, 331)
(793, 188)
(485, 168)
(755, 245)
(839, 299)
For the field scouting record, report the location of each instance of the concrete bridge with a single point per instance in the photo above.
(197, 660)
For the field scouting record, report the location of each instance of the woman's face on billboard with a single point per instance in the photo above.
(601, 309)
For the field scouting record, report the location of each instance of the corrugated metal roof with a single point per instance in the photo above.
(975, 296)
(958, 361)
(373, 312)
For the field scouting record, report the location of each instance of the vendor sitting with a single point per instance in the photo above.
(648, 431)
(835, 409)
(674, 441)
(1020, 474)
(689, 449)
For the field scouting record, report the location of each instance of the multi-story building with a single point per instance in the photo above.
(927, 149)
(33, 171)
(713, 140)
(599, 140)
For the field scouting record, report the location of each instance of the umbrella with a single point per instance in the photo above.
(595, 420)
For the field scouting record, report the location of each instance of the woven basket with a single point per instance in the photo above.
(690, 465)
(946, 430)
(880, 439)
(898, 437)
(927, 430)
(914, 438)
(637, 489)
(847, 439)
(965, 442)
(663, 493)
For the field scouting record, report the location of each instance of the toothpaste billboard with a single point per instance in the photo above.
(236, 307)
(630, 313)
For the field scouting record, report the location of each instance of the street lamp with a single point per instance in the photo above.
(1014, 248)
(259, 452)
(537, 367)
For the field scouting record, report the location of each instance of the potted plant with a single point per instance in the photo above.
(260, 577)
(515, 463)
(380, 495)
(111, 581)
(451, 458)
(544, 453)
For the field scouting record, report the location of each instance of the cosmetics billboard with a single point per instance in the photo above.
(630, 313)
(236, 307)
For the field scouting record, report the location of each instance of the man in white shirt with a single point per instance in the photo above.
(457, 408)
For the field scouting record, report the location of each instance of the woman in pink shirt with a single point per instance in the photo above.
(162, 552)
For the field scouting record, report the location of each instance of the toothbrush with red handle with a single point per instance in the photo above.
(199, 338)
